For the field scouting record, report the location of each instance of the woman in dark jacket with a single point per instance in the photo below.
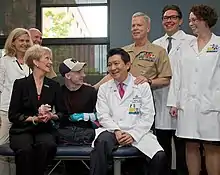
(32, 135)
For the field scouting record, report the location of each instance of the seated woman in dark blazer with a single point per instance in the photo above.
(32, 134)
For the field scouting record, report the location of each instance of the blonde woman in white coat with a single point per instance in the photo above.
(196, 93)
(12, 67)
(165, 124)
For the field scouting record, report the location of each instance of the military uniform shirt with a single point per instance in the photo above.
(151, 62)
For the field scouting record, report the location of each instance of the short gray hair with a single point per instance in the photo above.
(147, 18)
(35, 52)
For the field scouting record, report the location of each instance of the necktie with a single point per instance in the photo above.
(121, 90)
(169, 44)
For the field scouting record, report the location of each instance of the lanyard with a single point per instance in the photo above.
(22, 68)
(19, 64)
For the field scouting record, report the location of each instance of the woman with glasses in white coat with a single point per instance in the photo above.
(195, 95)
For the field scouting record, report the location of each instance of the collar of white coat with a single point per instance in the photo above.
(214, 39)
(13, 59)
(176, 36)
(129, 81)
(126, 81)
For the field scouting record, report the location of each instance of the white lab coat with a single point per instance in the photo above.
(113, 113)
(163, 120)
(9, 72)
(197, 91)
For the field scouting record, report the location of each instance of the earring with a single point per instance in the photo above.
(37, 65)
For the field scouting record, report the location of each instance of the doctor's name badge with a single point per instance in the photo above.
(134, 107)
(213, 48)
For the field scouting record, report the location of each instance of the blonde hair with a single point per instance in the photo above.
(35, 52)
(10, 49)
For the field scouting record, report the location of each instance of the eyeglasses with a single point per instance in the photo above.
(173, 17)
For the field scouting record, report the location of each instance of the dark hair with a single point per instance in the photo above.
(119, 51)
(172, 7)
(206, 13)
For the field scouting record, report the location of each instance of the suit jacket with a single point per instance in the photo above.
(24, 103)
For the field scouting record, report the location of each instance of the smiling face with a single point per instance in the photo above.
(117, 68)
(22, 43)
(139, 28)
(197, 25)
(36, 36)
(45, 62)
(171, 22)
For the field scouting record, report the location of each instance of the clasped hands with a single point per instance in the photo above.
(123, 138)
(45, 114)
(173, 112)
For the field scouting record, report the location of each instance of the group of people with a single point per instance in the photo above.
(185, 97)
(161, 85)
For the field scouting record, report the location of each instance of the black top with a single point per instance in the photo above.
(82, 100)
(25, 103)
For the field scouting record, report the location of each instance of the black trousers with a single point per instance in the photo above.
(102, 154)
(33, 152)
(164, 137)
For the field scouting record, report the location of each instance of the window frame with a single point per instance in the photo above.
(57, 41)
(72, 40)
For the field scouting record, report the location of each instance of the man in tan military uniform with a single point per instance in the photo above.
(149, 62)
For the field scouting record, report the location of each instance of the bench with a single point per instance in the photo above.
(82, 153)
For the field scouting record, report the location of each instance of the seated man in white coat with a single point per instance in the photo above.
(126, 114)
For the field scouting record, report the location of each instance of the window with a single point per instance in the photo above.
(77, 29)
(71, 2)
(77, 22)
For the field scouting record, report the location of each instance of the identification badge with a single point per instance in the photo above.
(213, 48)
(134, 107)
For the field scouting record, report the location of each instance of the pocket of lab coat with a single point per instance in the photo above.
(210, 102)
